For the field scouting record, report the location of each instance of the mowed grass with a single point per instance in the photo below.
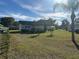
(60, 45)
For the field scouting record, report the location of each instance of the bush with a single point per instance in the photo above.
(14, 31)
(31, 31)
(77, 31)
(26, 31)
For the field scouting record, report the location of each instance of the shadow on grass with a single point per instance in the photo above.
(76, 44)
(50, 35)
(34, 35)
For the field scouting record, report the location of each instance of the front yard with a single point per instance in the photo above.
(59, 46)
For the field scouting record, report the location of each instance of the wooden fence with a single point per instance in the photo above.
(4, 45)
(36, 57)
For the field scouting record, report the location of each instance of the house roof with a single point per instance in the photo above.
(26, 22)
(38, 23)
(45, 22)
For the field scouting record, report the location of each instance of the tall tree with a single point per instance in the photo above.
(71, 6)
(33, 29)
(65, 24)
(52, 24)
(7, 21)
(51, 21)
(57, 26)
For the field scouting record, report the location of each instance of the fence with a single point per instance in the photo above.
(36, 57)
(4, 45)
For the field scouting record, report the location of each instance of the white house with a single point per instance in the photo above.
(36, 26)
(25, 25)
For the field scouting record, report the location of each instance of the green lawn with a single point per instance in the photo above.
(14, 31)
(60, 45)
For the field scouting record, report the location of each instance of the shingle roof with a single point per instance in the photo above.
(37, 23)
(26, 22)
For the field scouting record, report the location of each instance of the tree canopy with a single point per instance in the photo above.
(7, 21)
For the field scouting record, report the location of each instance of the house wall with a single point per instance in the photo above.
(39, 28)
(25, 27)
(77, 24)
(50, 27)
(36, 28)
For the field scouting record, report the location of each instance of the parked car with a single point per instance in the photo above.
(3, 29)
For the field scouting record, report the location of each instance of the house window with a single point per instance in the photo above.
(28, 27)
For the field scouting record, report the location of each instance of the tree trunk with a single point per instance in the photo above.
(72, 28)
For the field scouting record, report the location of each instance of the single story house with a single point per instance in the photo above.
(76, 23)
(25, 25)
(36, 26)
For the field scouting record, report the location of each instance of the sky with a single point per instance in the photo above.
(30, 10)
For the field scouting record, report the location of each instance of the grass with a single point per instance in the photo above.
(4, 45)
(14, 31)
(60, 45)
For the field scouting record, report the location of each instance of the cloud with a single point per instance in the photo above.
(19, 16)
(24, 17)
(4, 15)
(36, 5)
(30, 7)
(38, 10)
(42, 9)
(55, 15)
(61, 1)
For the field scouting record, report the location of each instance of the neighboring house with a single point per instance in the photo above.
(36, 26)
(69, 28)
(76, 25)
(44, 25)
(25, 25)
(14, 27)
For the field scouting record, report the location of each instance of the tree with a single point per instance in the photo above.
(65, 24)
(57, 26)
(52, 24)
(7, 21)
(51, 21)
(33, 29)
(16, 23)
(71, 6)
(1, 25)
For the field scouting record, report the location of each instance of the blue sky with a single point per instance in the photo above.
(31, 9)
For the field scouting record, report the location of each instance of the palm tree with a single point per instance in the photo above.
(71, 6)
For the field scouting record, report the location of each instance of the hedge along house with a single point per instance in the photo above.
(36, 26)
